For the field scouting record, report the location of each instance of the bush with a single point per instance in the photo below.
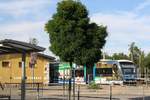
(93, 85)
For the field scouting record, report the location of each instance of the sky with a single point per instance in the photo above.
(127, 21)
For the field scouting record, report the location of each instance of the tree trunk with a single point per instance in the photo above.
(89, 73)
(69, 88)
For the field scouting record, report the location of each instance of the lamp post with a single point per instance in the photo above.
(74, 67)
(23, 81)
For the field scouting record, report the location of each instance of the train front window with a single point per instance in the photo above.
(128, 70)
(127, 67)
(103, 71)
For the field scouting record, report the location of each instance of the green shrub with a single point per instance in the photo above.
(93, 85)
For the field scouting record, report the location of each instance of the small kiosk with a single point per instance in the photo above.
(13, 46)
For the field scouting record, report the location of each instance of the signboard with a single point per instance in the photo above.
(33, 58)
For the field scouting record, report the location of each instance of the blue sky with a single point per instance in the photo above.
(127, 21)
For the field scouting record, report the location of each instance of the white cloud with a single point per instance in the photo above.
(21, 7)
(142, 6)
(23, 31)
(123, 29)
(23, 25)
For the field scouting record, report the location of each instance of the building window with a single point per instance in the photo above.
(5, 64)
(20, 64)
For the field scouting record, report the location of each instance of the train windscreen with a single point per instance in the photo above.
(127, 67)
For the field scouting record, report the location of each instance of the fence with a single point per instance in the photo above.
(106, 92)
(138, 91)
(57, 92)
(13, 91)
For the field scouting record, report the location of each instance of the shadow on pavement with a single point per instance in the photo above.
(99, 97)
(140, 98)
(52, 99)
(81, 97)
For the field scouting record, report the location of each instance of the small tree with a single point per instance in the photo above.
(147, 61)
(138, 57)
(33, 41)
(135, 53)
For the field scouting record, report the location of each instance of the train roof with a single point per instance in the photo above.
(124, 60)
(106, 60)
(115, 61)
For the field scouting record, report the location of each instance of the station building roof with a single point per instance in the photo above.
(46, 56)
(13, 46)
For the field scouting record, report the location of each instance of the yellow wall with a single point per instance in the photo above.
(13, 73)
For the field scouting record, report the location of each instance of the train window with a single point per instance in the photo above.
(103, 71)
(127, 64)
(127, 67)
(128, 70)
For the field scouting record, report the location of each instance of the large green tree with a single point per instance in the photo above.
(73, 37)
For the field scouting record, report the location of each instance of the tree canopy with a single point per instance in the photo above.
(72, 36)
(135, 53)
(147, 61)
(118, 56)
